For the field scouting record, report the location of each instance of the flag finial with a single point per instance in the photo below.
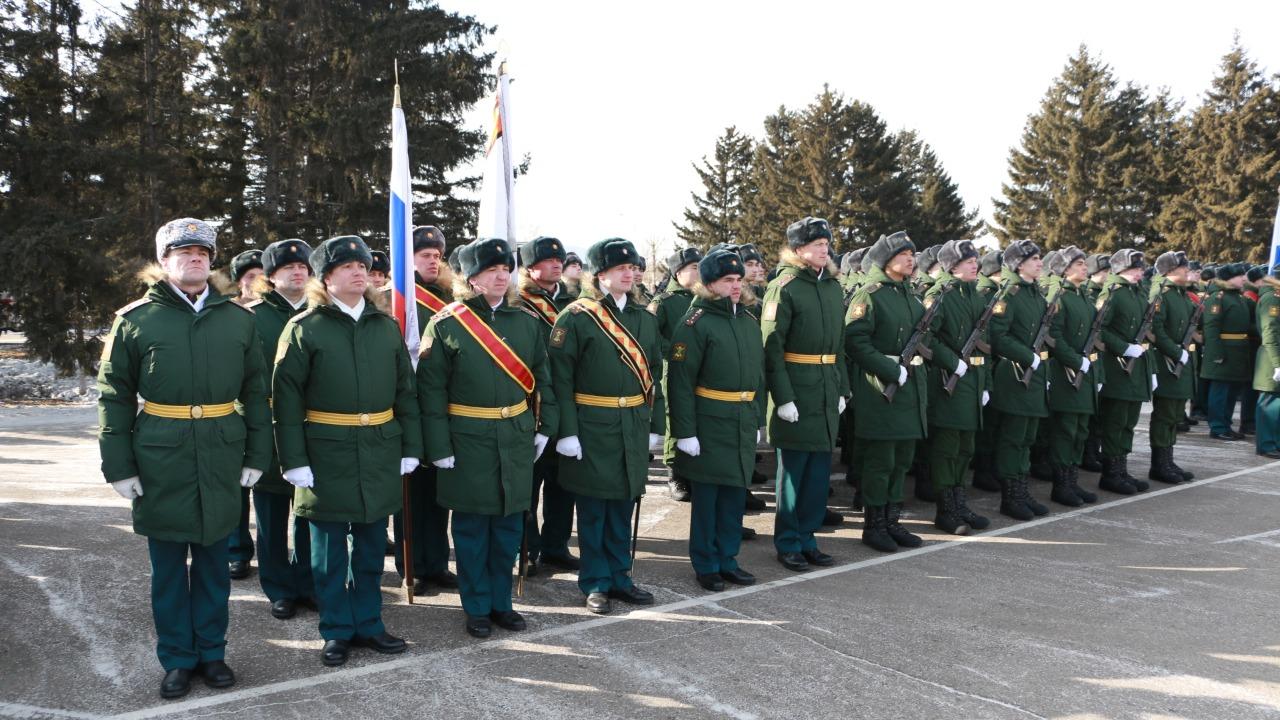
(395, 64)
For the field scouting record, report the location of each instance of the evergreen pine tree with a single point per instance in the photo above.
(940, 214)
(716, 215)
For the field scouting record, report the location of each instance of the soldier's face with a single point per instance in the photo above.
(377, 278)
(546, 271)
(815, 253)
(966, 270)
(755, 271)
(427, 262)
(618, 279)
(248, 279)
(1076, 272)
(1179, 276)
(347, 280)
(1236, 282)
(1031, 268)
(187, 265)
(729, 286)
(1133, 275)
(492, 282)
(573, 272)
(1193, 276)
(688, 275)
(901, 265)
(291, 278)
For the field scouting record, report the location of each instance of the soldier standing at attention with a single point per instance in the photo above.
(669, 307)
(487, 411)
(808, 387)
(189, 354)
(1169, 401)
(543, 293)
(880, 320)
(1266, 371)
(344, 445)
(1123, 390)
(1098, 265)
(246, 269)
(285, 577)
(1227, 357)
(715, 398)
(984, 457)
(380, 270)
(572, 273)
(430, 520)
(605, 356)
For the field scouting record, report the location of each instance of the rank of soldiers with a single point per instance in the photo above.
(547, 380)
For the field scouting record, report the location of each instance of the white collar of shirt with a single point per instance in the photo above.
(353, 312)
(198, 305)
(620, 301)
(301, 301)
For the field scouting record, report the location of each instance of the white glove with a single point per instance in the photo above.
(1035, 362)
(129, 488)
(841, 405)
(902, 375)
(408, 465)
(1099, 387)
(1133, 351)
(655, 442)
(689, 446)
(445, 463)
(1275, 377)
(760, 432)
(539, 445)
(300, 477)
(569, 447)
(1185, 357)
(962, 367)
(789, 413)
(249, 477)
(986, 398)
(1154, 383)
(1085, 365)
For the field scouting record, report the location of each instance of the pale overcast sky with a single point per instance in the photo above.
(613, 101)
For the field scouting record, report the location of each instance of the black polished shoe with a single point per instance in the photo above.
(284, 609)
(793, 561)
(1273, 454)
(216, 674)
(445, 580)
(632, 595)
(384, 642)
(1228, 436)
(754, 504)
(335, 652)
(817, 557)
(478, 626)
(598, 603)
(239, 569)
(564, 562)
(176, 683)
(738, 576)
(832, 518)
(711, 581)
(508, 620)
(748, 533)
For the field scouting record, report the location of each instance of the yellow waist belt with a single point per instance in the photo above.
(803, 359)
(917, 360)
(977, 361)
(1234, 336)
(725, 395)
(607, 401)
(188, 412)
(353, 419)
(485, 413)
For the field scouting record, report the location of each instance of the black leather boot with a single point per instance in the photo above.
(900, 535)
(1073, 474)
(1186, 476)
(1032, 504)
(1161, 469)
(1092, 460)
(1062, 492)
(1011, 501)
(947, 518)
(874, 534)
(1112, 480)
(971, 518)
(1141, 485)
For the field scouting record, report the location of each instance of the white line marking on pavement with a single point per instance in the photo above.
(1246, 538)
(31, 712)
(699, 601)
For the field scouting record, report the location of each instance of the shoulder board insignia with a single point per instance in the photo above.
(1214, 308)
(694, 317)
(754, 317)
(442, 314)
(575, 308)
(652, 307)
(858, 311)
(999, 308)
(782, 280)
(872, 287)
(133, 306)
(1274, 311)
(529, 312)
(302, 315)
(771, 311)
(254, 303)
(678, 352)
(1013, 289)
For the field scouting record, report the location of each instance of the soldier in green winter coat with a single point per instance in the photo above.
(1227, 355)
(716, 405)
(878, 324)
(1074, 375)
(545, 294)
(808, 387)
(1019, 409)
(984, 457)
(851, 276)
(606, 369)
(1098, 265)
(285, 576)
(487, 412)
(344, 445)
(1266, 372)
(1169, 401)
(245, 271)
(1123, 392)
(955, 418)
(756, 270)
(190, 355)
(669, 306)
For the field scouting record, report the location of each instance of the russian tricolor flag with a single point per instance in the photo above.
(401, 233)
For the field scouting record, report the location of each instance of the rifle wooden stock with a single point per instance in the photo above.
(1188, 337)
(1144, 333)
(915, 344)
(1042, 339)
(973, 342)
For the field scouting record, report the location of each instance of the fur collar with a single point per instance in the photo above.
(317, 296)
(748, 298)
(789, 257)
(462, 290)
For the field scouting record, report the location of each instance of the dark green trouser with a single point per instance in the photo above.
(985, 442)
(803, 479)
(557, 509)
(1166, 413)
(949, 453)
(1119, 418)
(1067, 435)
(284, 575)
(189, 606)
(715, 526)
(348, 581)
(604, 542)
(1268, 418)
(1015, 435)
(430, 527)
(240, 543)
(486, 547)
(884, 465)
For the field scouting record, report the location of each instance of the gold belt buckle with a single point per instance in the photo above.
(622, 402)
(197, 411)
(1044, 354)
(505, 412)
(1191, 348)
(1093, 357)
(364, 419)
(1146, 346)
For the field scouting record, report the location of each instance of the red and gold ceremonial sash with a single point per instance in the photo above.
(501, 353)
(427, 299)
(541, 306)
(626, 343)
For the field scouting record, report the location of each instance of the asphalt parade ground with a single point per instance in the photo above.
(1161, 605)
